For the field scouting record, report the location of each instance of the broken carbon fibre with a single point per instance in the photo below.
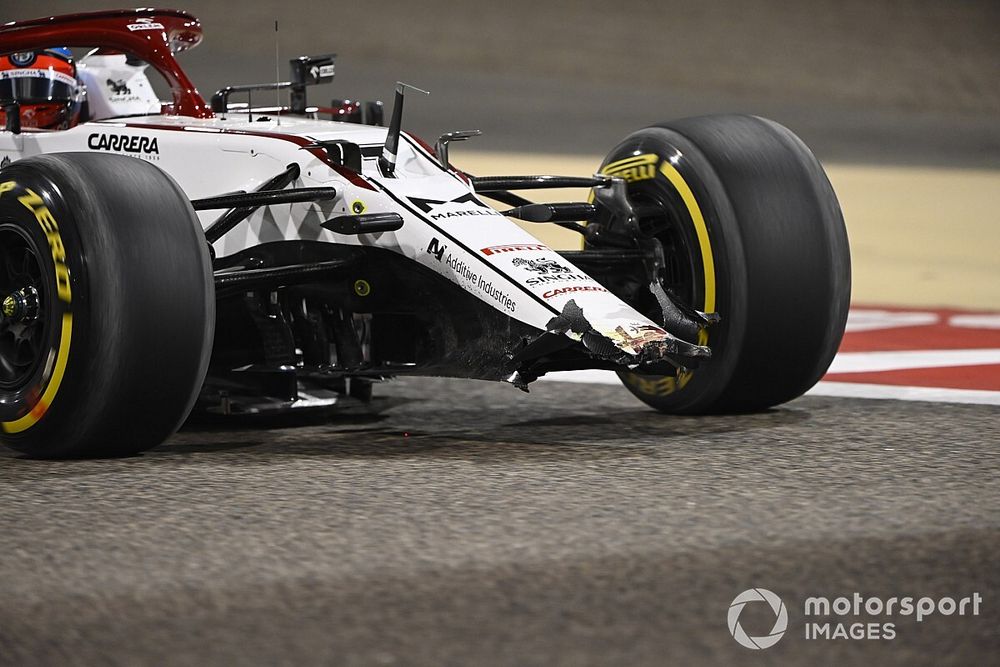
(671, 351)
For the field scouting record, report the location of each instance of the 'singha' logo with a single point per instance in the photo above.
(780, 620)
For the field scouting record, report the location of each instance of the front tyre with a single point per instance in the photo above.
(108, 307)
(752, 230)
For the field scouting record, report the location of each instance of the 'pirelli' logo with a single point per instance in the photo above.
(635, 168)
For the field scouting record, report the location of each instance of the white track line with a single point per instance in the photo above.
(869, 319)
(990, 321)
(897, 360)
(838, 389)
(887, 391)
(585, 377)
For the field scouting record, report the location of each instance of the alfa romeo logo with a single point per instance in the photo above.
(780, 621)
(22, 59)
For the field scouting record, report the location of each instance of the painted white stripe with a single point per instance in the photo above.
(845, 362)
(837, 389)
(886, 391)
(874, 362)
(975, 321)
(861, 319)
(585, 377)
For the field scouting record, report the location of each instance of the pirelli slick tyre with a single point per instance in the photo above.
(108, 308)
(752, 230)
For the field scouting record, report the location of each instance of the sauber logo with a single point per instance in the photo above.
(123, 143)
(144, 24)
(321, 71)
(575, 288)
(514, 247)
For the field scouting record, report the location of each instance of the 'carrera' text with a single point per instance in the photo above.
(123, 143)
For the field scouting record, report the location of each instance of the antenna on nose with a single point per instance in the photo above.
(387, 162)
(277, 76)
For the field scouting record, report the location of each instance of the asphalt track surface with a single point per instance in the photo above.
(475, 525)
(470, 524)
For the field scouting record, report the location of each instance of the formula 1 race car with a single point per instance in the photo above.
(159, 257)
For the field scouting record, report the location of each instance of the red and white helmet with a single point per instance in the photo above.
(46, 86)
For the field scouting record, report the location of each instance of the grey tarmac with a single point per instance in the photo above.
(471, 524)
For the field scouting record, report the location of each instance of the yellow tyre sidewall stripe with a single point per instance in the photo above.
(700, 228)
(42, 406)
(58, 372)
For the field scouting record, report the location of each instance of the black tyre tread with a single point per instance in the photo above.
(774, 218)
(776, 186)
(144, 280)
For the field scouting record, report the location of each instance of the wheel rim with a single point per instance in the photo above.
(661, 220)
(663, 207)
(23, 317)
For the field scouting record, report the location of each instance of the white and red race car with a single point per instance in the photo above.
(166, 256)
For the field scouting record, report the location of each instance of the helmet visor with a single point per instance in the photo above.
(36, 85)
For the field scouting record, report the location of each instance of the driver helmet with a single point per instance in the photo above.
(46, 86)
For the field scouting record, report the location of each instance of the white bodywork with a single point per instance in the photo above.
(468, 242)
(115, 88)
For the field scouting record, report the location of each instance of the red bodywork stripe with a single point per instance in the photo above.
(352, 176)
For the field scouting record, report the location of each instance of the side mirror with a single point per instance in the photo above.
(309, 71)
(441, 147)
